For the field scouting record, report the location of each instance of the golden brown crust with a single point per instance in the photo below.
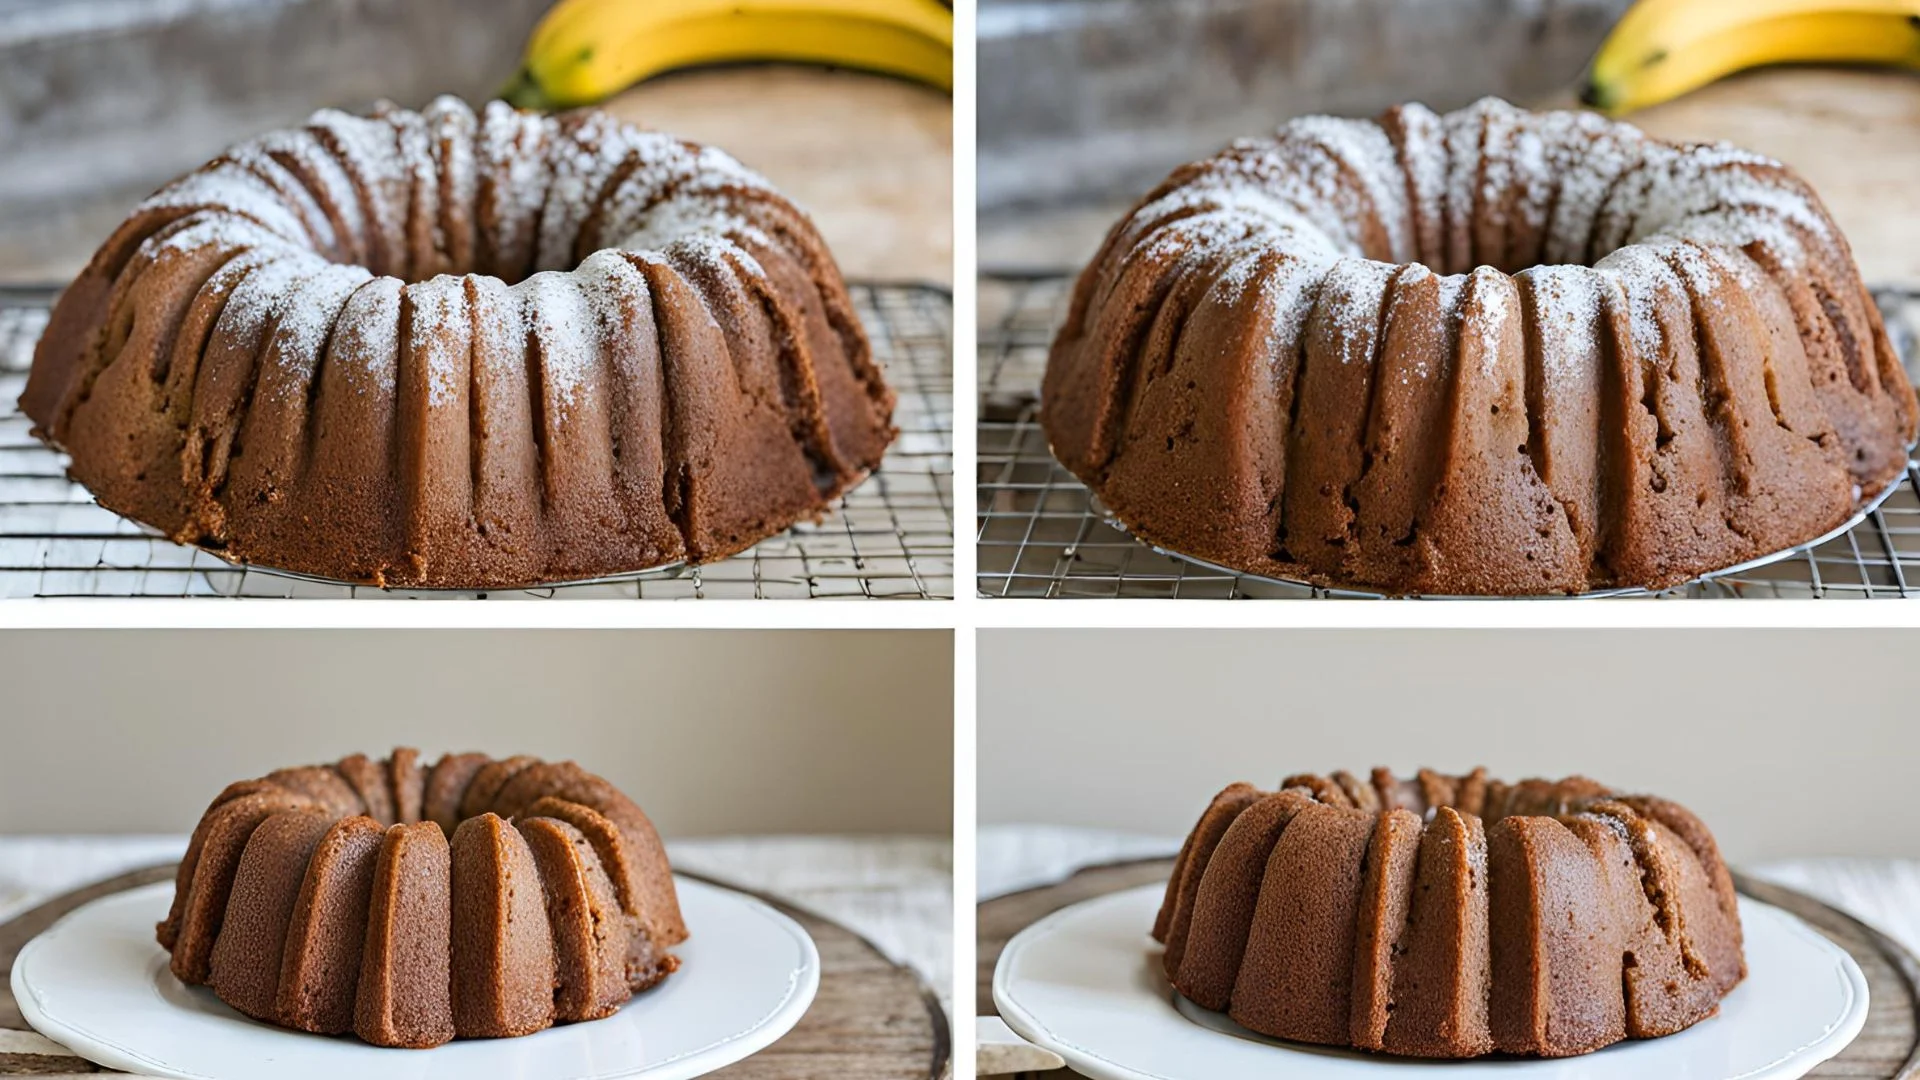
(302, 909)
(1545, 918)
(1251, 372)
(460, 350)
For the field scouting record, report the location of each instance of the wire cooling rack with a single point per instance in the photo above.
(892, 536)
(1041, 533)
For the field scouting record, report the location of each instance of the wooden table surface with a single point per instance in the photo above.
(870, 158)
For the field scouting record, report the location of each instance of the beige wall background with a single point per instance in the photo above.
(1786, 742)
(710, 731)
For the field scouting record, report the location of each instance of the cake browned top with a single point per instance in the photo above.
(463, 348)
(1491, 351)
(475, 898)
(1451, 915)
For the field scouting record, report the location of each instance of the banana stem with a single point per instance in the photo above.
(524, 92)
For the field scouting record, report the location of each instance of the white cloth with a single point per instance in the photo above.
(1010, 858)
(897, 892)
(1883, 893)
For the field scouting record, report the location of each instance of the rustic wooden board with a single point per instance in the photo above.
(1888, 1049)
(871, 1018)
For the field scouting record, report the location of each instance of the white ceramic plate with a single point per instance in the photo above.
(97, 983)
(1085, 982)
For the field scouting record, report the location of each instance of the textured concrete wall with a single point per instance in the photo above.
(1081, 99)
(103, 100)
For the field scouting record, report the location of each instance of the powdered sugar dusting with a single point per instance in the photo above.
(322, 174)
(584, 159)
(1566, 311)
(213, 228)
(232, 189)
(1463, 132)
(433, 307)
(692, 213)
(1231, 285)
(563, 323)
(263, 295)
(288, 188)
(1220, 237)
(370, 152)
(717, 252)
(1367, 152)
(308, 317)
(1492, 292)
(1642, 275)
(416, 154)
(1533, 175)
(307, 320)
(366, 343)
(1585, 153)
(372, 189)
(610, 285)
(513, 156)
(1576, 181)
(712, 197)
(1351, 297)
(1287, 295)
(1497, 172)
(663, 164)
(1423, 159)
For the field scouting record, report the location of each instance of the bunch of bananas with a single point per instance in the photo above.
(584, 51)
(1664, 48)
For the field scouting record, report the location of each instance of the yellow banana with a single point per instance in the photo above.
(1664, 48)
(584, 51)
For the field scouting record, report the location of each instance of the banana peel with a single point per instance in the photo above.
(1662, 49)
(585, 51)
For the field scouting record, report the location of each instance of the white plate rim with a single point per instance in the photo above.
(802, 986)
(1837, 1035)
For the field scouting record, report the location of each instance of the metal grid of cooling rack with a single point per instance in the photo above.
(1041, 533)
(890, 537)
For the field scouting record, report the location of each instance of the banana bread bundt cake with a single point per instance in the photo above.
(408, 905)
(450, 349)
(1451, 916)
(1491, 352)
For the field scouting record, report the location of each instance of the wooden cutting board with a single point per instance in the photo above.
(870, 158)
(1888, 1048)
(871, 1019)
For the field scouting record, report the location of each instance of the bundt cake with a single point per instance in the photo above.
(410, 906)
(449, 349)
(1490, 352)
(1451, 916)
